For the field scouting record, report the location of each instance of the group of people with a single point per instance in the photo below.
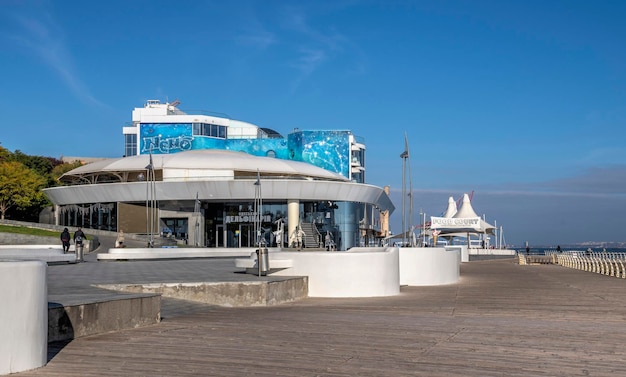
(78, 238)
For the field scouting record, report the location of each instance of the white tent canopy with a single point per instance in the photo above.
(465, 220)
(451, 211)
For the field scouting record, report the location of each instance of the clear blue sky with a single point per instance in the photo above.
(523, 102)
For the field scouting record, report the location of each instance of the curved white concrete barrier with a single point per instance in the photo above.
(34, 252)
(32, 247)
(24, 316)
(359, 272)
(429, 266)
(139, 253)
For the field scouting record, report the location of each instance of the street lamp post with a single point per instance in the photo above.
(150, 201)
(404, 157)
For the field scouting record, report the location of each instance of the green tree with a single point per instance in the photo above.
(19, 186)
(5, 154)
(59, 170)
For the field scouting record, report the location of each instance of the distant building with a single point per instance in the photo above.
(201, 169)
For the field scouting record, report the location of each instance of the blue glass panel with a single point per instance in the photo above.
(329, 150)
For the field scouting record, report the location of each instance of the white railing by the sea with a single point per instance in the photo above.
(605, 263)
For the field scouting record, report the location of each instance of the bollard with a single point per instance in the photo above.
(79, 252)
(263, 260)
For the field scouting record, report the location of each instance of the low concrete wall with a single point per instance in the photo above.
(25, 239)
(24, 316)
(101, 316)
(144, 253)
(13, 239)
(420, 266)
(359, 272)
(46, 253)
(227, 294)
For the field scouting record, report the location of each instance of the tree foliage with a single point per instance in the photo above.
(59, 170)
(21, 179)
(19, 186)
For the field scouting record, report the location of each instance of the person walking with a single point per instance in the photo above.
(65, 240)
(79, 237)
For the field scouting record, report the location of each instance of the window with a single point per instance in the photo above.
(211, 130)
(130, 144)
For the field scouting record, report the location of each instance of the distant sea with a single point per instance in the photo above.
(542, 250)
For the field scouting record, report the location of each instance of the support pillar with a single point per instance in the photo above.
(293, 218)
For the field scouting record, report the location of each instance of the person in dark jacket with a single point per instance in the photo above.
(65, 240)
(79, 236)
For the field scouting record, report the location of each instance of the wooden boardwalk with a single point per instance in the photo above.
(501, 319)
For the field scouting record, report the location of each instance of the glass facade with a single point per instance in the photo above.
(101, 216)
(232, 224)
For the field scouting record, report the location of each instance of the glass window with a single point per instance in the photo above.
(130, 144)
(211, 130)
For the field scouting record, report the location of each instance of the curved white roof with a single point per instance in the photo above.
(209, 159)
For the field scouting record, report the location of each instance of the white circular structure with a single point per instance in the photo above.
(24, 316)
(429, 266)
(359, 272)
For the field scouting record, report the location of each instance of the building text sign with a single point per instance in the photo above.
(455, 223)
(246, 217)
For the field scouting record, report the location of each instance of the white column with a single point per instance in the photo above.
(293, 217)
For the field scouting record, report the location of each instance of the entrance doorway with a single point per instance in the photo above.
(238, 235)
(246, 238)
(220, 236)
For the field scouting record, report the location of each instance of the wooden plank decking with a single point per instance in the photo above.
(501, 319)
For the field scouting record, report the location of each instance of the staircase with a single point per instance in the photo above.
(312, 238)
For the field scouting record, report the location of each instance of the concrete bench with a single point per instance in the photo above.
(49, 254)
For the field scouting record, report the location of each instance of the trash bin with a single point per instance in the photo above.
(263, 260)
(79, 252)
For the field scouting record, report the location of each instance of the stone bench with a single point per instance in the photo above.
(46, 253)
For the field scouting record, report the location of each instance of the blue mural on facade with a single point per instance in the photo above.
(165, 138)
(329, 150)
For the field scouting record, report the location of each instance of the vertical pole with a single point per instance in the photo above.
(424, 230)
(403, 197)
